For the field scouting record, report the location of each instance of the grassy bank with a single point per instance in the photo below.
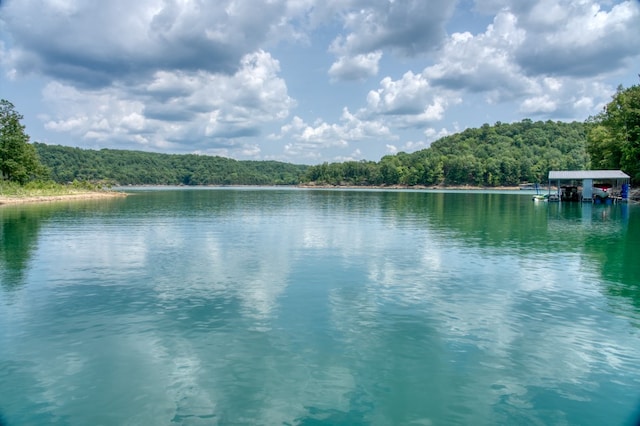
(11, 193)
(46, 188)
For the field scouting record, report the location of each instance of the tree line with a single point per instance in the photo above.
(498, 155)
(614, 134)
(491, 155)
(123, 167)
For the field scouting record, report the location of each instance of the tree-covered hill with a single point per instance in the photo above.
(614, 134)
(124, 167)
(498, 155)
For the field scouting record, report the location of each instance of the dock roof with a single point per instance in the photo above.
(587, 174)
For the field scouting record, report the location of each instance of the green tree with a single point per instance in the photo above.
(613, 139)
(18, 158)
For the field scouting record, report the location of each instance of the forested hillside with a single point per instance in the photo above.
(122, 167)
(498, 155)
(613, 140)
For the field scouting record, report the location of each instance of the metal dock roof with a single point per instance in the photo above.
(587, 174)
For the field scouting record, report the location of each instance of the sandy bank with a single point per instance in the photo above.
(4, 200)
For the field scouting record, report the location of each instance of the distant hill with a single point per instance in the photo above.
(492, 155)
(498, 155)
(124, 167)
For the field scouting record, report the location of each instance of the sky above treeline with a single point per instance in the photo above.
(306, 81)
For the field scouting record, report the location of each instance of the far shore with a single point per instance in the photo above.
(330, 186)
(28, 199)
(634, 194)
(7, 200)
(94, 195)
(420, 187)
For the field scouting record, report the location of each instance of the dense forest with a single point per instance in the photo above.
(498, 155)
(613, 140)
(123, 167)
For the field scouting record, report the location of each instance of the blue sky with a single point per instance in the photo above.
(306, 81)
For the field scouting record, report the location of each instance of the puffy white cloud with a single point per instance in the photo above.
(409, 101)
(404, 96)
(95, 115)
(406, 27)
(543, 60)
(546, 101)
(482, 63)
(358, 67)
(578, 37)
(539, 104)
(308, 141)
(95, 44)
(564, 98)
(179, 109)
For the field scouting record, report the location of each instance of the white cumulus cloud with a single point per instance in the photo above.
(176, 109)
(358, 67)
(308, 140)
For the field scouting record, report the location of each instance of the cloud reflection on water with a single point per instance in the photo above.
(367, 307)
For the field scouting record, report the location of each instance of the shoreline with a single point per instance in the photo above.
(330, 186)
(418, 187)
(96, 195)
(28, 199)
(634, 194)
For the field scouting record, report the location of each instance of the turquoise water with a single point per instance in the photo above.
(319, 307)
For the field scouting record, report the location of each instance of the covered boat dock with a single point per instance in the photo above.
(587, 185)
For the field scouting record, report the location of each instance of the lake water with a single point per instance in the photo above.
(319, 307)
